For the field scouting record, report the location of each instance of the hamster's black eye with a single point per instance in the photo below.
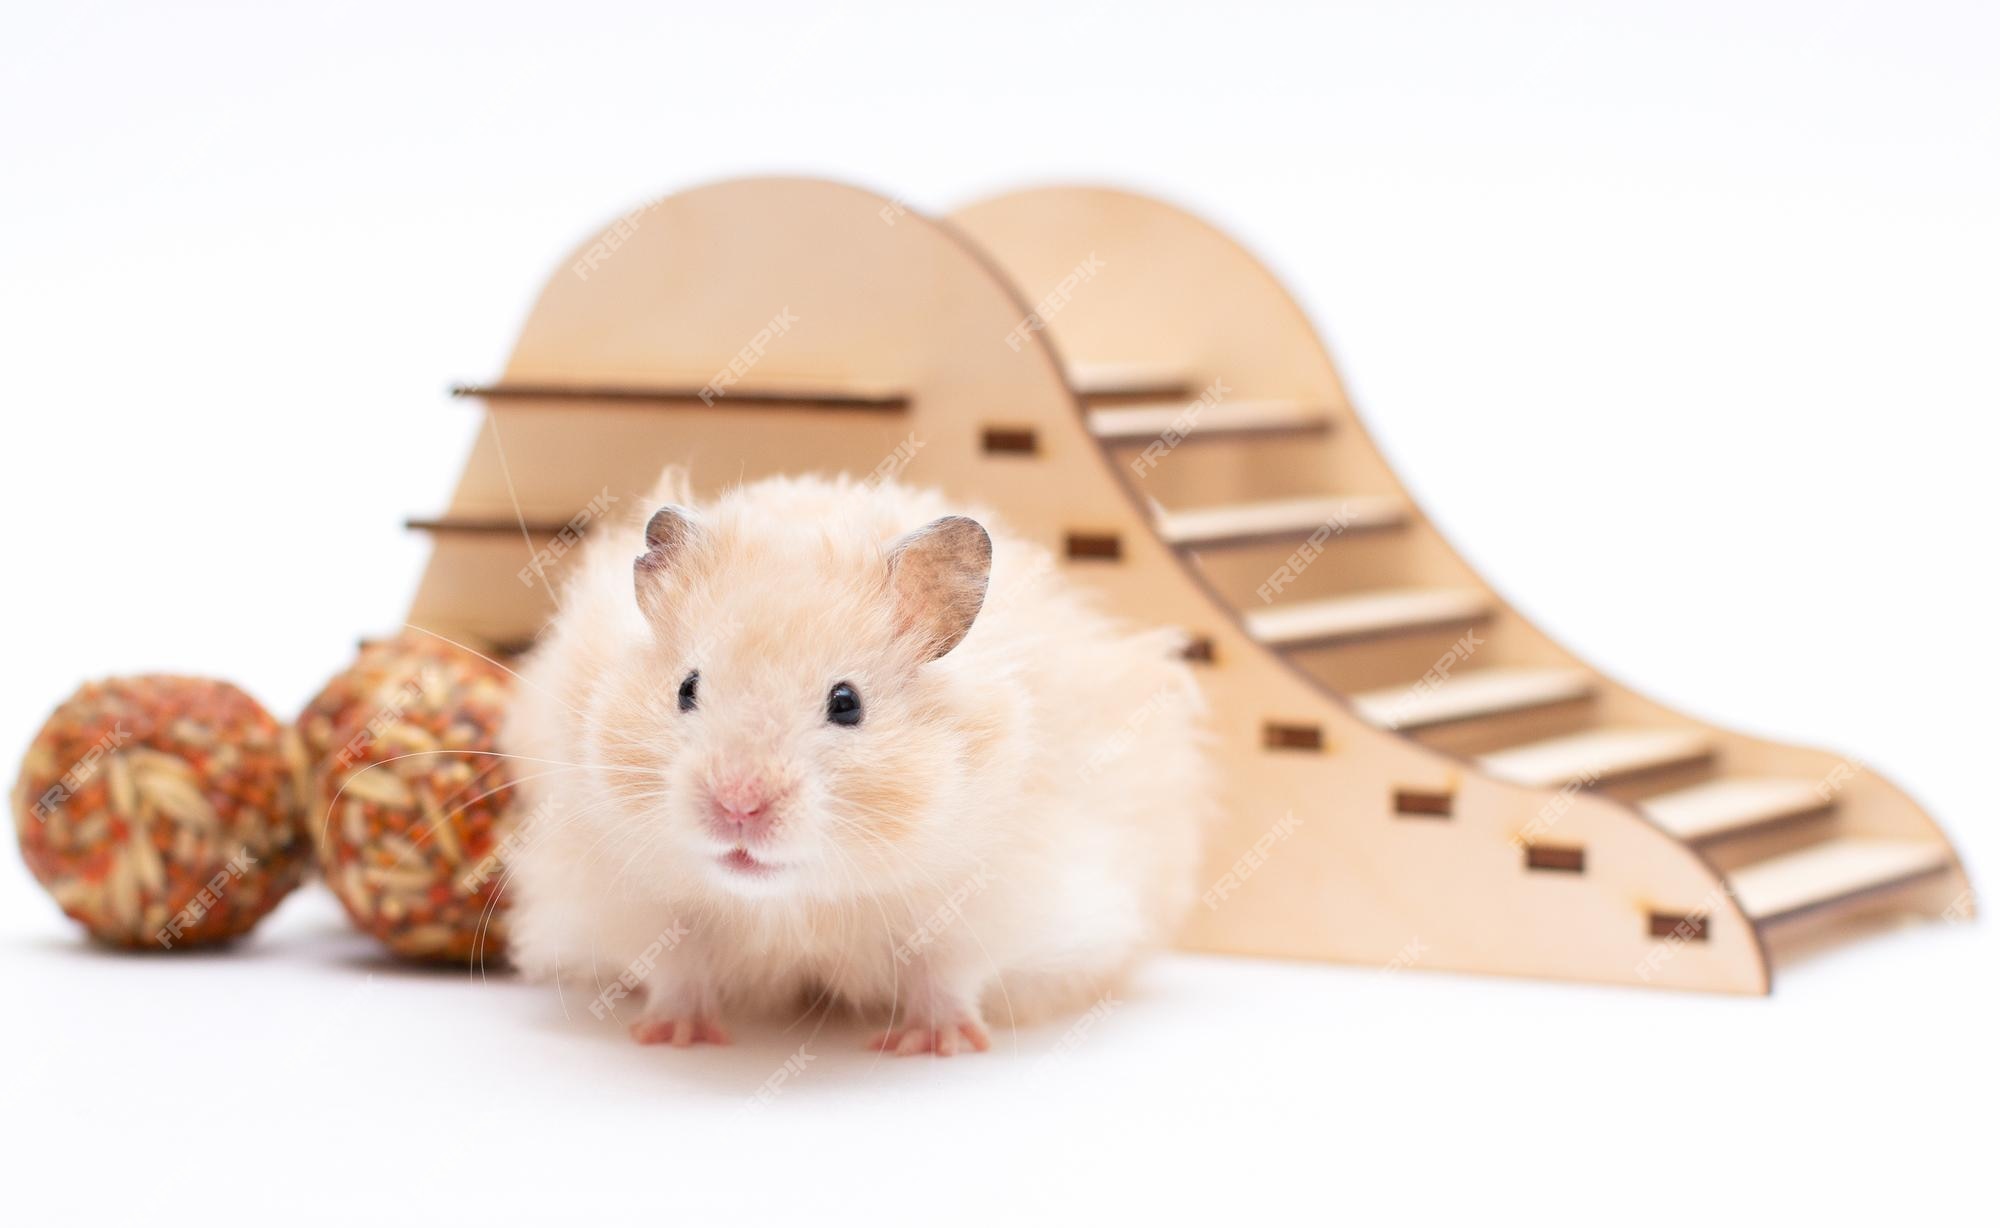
(687, 690)
(843, 705)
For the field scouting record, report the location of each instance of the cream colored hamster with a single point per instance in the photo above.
(826, 739)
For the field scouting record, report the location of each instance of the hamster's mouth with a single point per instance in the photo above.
(740, 861)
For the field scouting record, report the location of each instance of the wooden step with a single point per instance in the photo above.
(1597, 755)
(692, 396)
(1129, 381)
(484, 526)
(1221, 420)
(1836, 872)
(1280, 519)
(1735, 805)
(1358, 615)
(503, 649)
(1473, 695)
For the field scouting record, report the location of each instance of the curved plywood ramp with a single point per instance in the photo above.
(783, 326)
(1254, 467)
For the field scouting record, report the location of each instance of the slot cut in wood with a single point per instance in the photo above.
(1561, 858)
(1103, 547)
(1424, 803)
(1686, 927)
(1009, 441)
(1280, 736)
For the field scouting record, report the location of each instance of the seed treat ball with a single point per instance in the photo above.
(358, 701)
(411, 798)
(160, 811)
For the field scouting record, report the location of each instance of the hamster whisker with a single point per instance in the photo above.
(327, 818)
(581, 767)
(888, 936)
(651, 837)
(460, 807)
(540, 831)
(628, 830)
(971, 930)
(498, 665)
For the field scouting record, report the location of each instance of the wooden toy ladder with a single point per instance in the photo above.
(1415, 776)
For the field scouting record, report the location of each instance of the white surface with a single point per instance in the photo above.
(1701, 263)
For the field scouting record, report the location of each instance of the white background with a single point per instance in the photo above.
(1717, 280)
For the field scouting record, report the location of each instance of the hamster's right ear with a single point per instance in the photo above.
(671, 535)
(937, 575)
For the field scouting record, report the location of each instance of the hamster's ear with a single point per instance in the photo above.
(671, 535)
(937, 578)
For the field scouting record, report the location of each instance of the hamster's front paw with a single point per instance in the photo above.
(680, 1014)
(936, 1011)
(680, 1031)
(943, 1039)
(944, 1031)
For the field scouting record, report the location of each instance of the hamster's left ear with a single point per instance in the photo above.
(671, 535)
(937, 578)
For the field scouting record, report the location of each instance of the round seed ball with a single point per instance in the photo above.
(411, 797)
(160, 811)
(352, 699)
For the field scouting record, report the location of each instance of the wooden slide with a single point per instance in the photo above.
(1414, 775)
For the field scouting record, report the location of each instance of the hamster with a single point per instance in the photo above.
(829, 739)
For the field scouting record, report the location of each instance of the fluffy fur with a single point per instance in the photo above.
(1007, 828)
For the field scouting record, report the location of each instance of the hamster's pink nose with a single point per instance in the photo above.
(742, 804)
